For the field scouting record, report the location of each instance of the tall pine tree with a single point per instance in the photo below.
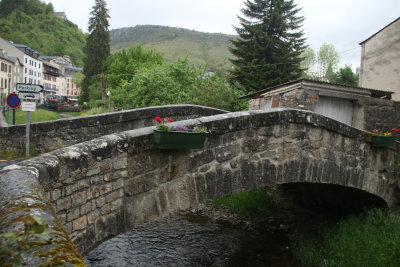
(97, 46)
(269, 45)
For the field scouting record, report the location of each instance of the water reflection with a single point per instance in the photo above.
(182, 241)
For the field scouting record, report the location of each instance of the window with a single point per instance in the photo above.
(35, 64)
(39, 65)
(25, 79)
(2, 66)
(9, 69)
(26, 60)
(5, 83)
(1, 82)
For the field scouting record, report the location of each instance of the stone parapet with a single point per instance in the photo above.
(48, 136)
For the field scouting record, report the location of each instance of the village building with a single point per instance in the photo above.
(380, 60)
(355, 106)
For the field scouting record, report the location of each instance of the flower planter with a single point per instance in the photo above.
(383, 140)
(179, 140)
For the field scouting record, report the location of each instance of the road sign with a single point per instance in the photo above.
(28, 106)
(29, 87)
(29, 95)
(13, 100)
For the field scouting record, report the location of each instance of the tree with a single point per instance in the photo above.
(269, 45)
(328, 60)
(345, 76)
(97, 46)
(308, 62)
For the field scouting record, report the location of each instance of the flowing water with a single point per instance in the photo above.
(193, 241)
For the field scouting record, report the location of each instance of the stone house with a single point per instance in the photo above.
(380, 60)
(359, 107)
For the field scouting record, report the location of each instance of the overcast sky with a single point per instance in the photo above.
(343, 23)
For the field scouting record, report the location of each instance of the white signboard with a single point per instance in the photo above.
(29, 87)
(28, 106)
(29, 95)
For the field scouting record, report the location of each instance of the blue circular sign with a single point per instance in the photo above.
(13, 100)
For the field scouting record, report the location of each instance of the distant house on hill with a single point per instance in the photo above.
(359, 107)
(60, 15)
(380, 60)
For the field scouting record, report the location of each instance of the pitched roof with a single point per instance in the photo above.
(379, 31)
(373, 92)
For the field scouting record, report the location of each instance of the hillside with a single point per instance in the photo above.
(31, 22)
(175, 43)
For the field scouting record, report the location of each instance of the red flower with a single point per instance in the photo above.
(170, 120)
(158, 119)
(375, 131)
(395, 130)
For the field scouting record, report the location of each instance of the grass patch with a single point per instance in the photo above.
(372, 239)
(248, 204)
(93, 111)
(38, 116)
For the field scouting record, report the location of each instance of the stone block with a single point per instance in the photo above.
(73, 214)
(87, 207)
(55, 194)
(79, 224)
(63, 203)
(93, 216)
(120, 163)
(114, 195)
(78, 199)
(100, 201)
(226, 152)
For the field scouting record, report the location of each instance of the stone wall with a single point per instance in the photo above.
(382, 117)
(111, 184)
(48, 136)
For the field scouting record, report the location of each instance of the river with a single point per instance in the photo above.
(195, 241)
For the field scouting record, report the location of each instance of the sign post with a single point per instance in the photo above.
(28, 92)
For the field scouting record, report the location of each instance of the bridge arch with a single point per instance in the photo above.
(108, 185)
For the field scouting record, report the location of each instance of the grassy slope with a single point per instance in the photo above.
(176, 43)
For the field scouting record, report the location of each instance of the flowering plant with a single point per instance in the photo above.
(161, 126)
(394, 131)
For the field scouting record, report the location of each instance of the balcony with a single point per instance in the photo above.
(48, 89)
(51, 73)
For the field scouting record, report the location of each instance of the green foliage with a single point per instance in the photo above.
(368, 240)
(255, 203)
(157, 83)
(173, 43)
(97, 47)
(31, 22)
(123, 65)
(345, 76)
(269, 45)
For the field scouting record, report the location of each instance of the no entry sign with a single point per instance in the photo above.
(13, 100)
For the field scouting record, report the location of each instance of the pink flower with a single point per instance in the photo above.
(375, 131)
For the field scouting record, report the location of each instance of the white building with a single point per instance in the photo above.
(33, 67)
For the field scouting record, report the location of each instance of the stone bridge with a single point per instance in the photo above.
(108, 185)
